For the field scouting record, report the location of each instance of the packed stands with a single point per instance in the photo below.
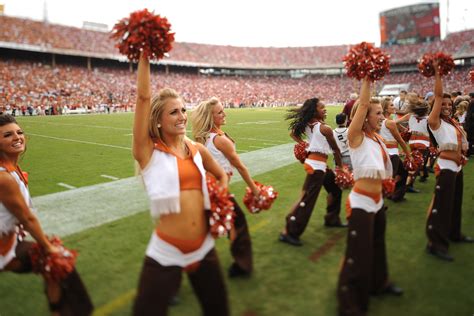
(54, 38)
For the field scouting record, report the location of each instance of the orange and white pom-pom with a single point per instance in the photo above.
(221, 217)
(388, 186)
(143, 32)
(344, 177)
(414, 162)
(301, 151)
(264, 200)
(445, 64)
(406, 135)
(366, 61)
(54, 266)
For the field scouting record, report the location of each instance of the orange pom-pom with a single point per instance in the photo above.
(221, 217)
(471, 75)
(388, 186)
(300, 151)
(344, 177)
(143, 32)
(263, 202)
(445, 64)
(54, 266)
(414, 162)
(366, 61)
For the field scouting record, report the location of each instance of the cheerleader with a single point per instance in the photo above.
(309, 120)
(364, 269)
(208, 118)
(66, 297)
(444, 216)
(174, 169)
(391, 137)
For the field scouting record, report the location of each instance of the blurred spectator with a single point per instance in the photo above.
(348, 107)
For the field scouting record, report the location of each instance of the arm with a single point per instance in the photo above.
(142, 143)
(327, 132)
(404, 118)
(392, 127)
(434, 118)
(296, 139)
(355, 134)
(227, 148)
(13, 200)
(212, 166)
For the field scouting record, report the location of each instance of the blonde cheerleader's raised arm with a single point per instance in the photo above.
(434, 120)
(142, 142)
(355, 133)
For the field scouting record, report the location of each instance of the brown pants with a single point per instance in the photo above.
(74, 300)
(444, 218)
(364, 270)
(401, 184)
(159, 283)
(299, 216)
(241, 247)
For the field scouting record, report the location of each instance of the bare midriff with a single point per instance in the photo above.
(453, 155)
(191, 222)
(373, 186)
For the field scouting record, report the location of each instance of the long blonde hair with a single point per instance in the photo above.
(157, 106)
(203, 120)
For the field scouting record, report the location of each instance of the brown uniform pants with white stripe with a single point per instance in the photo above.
(241, 247)
(159, 283)
(299, 216)
(401, 184)
(444, 218)
(74, 299)
(364, 270)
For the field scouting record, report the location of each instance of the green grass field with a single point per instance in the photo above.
(77, 150)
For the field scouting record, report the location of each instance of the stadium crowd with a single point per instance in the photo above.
(36, 88)
(59, 37)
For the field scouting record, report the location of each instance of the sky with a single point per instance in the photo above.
(254, 23)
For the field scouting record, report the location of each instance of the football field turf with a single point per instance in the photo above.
(81, 155)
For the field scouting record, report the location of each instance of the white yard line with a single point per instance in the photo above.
(77, 125)
(67, 186)
(69, 212)
(79, 141)
(109, 177)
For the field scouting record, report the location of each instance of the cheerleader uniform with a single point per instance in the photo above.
(318, 175)
(166, 256)
(74, 299)
(444, 217)
(364, 269)
(241, 246)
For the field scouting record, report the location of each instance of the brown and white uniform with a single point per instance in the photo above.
(241, 246)
(364, 269)
(444, 217)
(318, 175)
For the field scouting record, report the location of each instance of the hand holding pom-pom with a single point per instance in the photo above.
(433, 152)
(261, 202)
(366, 61)
(414, 161)
(55, 266)
(143, 32)
(300, 151)
(221, 217)
(388, 186)
(344, 177)
(428, 62)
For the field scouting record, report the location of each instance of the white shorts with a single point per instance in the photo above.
(448, 164)
(4, 260)
(364, 202)
(168, 255)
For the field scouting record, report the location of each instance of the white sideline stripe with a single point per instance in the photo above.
(259, 147)
(78, 125)
(80, 141)
(67, 186)
(69, 212)
(109, 177)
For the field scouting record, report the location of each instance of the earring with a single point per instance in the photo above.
(159, 125)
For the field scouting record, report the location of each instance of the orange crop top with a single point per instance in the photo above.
(189, 175)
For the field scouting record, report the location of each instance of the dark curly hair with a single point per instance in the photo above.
(300, 117)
